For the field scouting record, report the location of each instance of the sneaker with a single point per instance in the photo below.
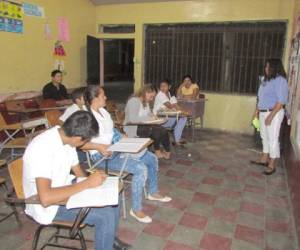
(162, 199)
(145, 219)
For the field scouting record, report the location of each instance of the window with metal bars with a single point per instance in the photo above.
(221, 57)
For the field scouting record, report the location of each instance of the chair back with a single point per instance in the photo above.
(53, 117)
(15, 169)
(6, 117)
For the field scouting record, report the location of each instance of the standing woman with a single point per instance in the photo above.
(272, 96)
(188, 89)
(95, 101)
(137, 110)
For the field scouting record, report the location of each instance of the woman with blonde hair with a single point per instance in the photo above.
(137, 111)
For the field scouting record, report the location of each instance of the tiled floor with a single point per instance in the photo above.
(219, 202)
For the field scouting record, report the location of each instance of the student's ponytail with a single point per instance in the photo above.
(91, 92)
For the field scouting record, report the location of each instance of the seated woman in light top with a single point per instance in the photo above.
(163, 100)
(187, 89)
(95, 101)
(137, 110)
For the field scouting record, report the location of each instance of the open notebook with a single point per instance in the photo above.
(130, 145)
(104, 195)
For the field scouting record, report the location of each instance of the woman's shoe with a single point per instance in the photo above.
(259, 163)
(145, 219)
(269, 171)
(161, 199)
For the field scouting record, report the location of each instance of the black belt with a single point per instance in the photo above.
(265, 110)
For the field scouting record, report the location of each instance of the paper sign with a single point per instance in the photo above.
(11, 17)
(63, 30)
(33, 10)
(47, 30)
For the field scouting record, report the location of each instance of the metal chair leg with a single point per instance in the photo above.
(82, 240)
(124, 204)
(36, 237)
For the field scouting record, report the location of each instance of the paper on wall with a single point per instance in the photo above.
(63, 30)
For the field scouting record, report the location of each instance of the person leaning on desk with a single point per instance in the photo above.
(272, 96)
(187, 89)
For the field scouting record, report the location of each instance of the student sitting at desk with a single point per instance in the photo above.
(77, 97)
(163, 100)
(55, 89)
(187, 89)
(137, 111)
(48, 160)
(137, 165)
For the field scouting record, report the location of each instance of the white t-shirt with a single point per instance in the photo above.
(46, 157)
(106, 128)
(69, 111)
(160, 99)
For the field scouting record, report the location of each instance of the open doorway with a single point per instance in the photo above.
(118, 68)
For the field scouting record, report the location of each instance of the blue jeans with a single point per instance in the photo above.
(105, 220)
(179, 126)
(138, 167)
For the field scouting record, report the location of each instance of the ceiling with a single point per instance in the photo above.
(101, 2)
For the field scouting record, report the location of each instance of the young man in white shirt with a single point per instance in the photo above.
(48, 160)
(164, 100)
(78, 104)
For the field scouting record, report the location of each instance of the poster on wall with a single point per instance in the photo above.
(63, 30)
(33, 10)
(11, 17)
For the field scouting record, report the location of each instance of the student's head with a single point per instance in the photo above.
(147, 93)
(80, 127)
(274, 68)
(78, 96)
(95, 96)
(187, 80)
(164, 86)
(56, 76)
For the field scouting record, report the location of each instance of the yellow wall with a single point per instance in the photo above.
(26, 59)
(226, 112)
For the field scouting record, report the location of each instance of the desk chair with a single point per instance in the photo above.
(4, 188)
(11, 130)
(53, 117)
(16, 196)
(123, 176)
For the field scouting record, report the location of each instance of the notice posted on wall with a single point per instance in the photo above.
(11, 17)
(33, 10)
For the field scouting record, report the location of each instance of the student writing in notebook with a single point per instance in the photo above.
(163, 101)
(138, 110)
(141, 166)
(48, 160)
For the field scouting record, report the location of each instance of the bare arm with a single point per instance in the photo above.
(50, 196)
(101, 148)
(179, 92)
(77, 170)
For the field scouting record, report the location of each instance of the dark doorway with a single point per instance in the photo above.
(118, 68)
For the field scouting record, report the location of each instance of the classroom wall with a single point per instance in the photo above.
(223, 111)
(26, 59)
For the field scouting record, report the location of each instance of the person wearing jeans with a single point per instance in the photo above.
(272, 96)
(140, 165)
(47, 162)
(101, 218)
(164, 100)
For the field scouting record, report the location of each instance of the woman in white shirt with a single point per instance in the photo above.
(137, 111)
(95, 100)
(163, 100)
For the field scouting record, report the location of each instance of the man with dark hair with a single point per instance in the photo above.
(55, 89)
(48, 160)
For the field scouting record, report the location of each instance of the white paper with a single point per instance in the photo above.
(156, 121)
(129, 145)
(105, 195)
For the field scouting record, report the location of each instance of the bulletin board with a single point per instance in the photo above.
(11, 17)
(293, 106)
